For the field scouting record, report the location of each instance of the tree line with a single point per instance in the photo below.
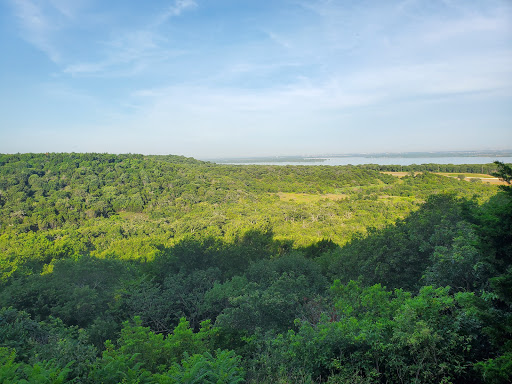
(486, 169)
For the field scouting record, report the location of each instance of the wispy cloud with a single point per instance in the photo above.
(122, 55)
(175, 9)
(130, 52)
(179, 6)
(437, 78)
(37, 28)
(279, 40)
(469, 77)
(70, 9)
(441, 31)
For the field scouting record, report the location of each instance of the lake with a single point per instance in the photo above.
(381, 160)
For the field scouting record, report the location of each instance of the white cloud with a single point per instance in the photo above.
(174, 10)
(440, 32)
(133, 51)
(46, 23)
(466, 74)
(36, 27)
(181, 5)
(123, 55)
(287, 110)
(68, 8)
(279, 40)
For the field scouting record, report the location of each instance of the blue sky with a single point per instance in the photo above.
(220, 78)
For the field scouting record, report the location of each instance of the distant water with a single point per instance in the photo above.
(359, 160)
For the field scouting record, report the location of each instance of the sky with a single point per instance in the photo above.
(240, 78)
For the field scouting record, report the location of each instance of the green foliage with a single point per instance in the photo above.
(38, 343)
(497, 370)
(272, 294)
(181, 357)
(19, 332)
(447, 168)
(161, 305)
(399, 255)
(8, 368)
(77, 291)
(375, 336)
(461, 264)
(164, 269)
(504, 171)
(44, 373)
(221, 368)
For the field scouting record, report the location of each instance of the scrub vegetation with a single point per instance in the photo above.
(165, 269)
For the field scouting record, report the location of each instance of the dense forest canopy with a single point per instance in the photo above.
(166, 269)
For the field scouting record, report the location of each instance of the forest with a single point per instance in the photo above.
(166, 269)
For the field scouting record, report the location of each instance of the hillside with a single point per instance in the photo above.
(249, 273)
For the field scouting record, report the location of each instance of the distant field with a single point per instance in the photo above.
(133, 215)
(468, 176)
(400, 174)
(308, 198)
(492, 180)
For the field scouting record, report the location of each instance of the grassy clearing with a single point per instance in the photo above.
(400, 174)
(495, 181)
(479, 176)
(309, 198)
(133, 215)
(467, 175)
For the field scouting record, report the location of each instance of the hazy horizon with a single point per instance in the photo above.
(253, 79)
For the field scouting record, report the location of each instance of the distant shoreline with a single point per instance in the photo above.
(378, 155)
(336, 161)
(408, 158)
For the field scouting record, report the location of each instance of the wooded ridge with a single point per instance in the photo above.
(166, 269)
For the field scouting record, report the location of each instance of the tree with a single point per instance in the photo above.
(504, 171)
